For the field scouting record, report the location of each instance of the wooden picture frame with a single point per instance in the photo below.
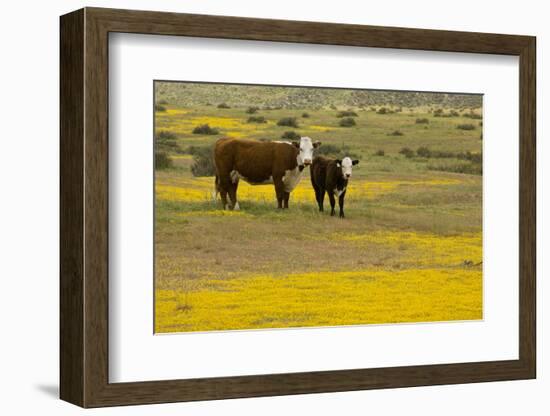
(84, 207)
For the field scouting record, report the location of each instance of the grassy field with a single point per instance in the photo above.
(409, 249)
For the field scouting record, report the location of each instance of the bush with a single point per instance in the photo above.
(454, 113)
(423, 151)
(305, 115)
(159, 107)
(408, 153)
(166, 141)
(472, 157)
(469, 168)
(347, 122)
(166, 135)
(396, 133)
(336, 151)
(256, 119)
(466, 127)
(162, 161)
(288, 122)
(203, 162)
(442, 154)
(205, 129)
(473, 115)
(163, 102)
(291, 135)
(328, 149)
(422, 121)
(347, 113)
(252, 110)
(379, 152)
(223, 105)
(438, 112)
(382, 110)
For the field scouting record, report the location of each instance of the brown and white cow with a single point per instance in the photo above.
(331, 176)
(257, 162)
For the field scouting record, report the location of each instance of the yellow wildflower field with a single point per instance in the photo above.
(323, 299)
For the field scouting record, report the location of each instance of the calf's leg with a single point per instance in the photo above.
(341, 204)
(285, 199)
(321, 199)
(332, 203)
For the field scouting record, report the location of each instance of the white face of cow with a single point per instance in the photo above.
(305, 147)
(346, 165)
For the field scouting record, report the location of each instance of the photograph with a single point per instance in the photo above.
(293, 207)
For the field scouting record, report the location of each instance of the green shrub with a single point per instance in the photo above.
(305, 115)
(423, 151)
(347, 113)
(166, 141)
(163, 102)
(288, 122)
(291, 135)
(335, 151)
(438, 112)
(166, 135)
(203, 162)
(382, 110)
(473, 115)
(159, 107)
(407, 152)
(468, 168)
(328, 149)
(379, 152)
(205, 129)
(347, 122)
(466, 127)
(396, 133)
(472, 157)
(442, 154)
(162, 161)
(256, 119)
(252, 110)
(422, 121)
(223, 105)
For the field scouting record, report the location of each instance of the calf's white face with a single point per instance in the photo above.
(305, 147)
(346, 165)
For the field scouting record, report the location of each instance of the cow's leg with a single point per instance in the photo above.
(224, 184)
(233, 194)
(332, 202)
(285, 199)
(279, 189)
(341, 204)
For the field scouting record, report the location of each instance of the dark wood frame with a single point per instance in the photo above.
(84, 207)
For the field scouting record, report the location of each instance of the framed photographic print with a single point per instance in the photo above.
(256, 207)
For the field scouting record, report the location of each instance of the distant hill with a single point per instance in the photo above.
(189, 94)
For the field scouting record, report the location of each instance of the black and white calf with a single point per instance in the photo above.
(331, 176)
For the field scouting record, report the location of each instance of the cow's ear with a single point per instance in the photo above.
(355, 162)
(296, 145)
(338, 162)
(316, 144)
